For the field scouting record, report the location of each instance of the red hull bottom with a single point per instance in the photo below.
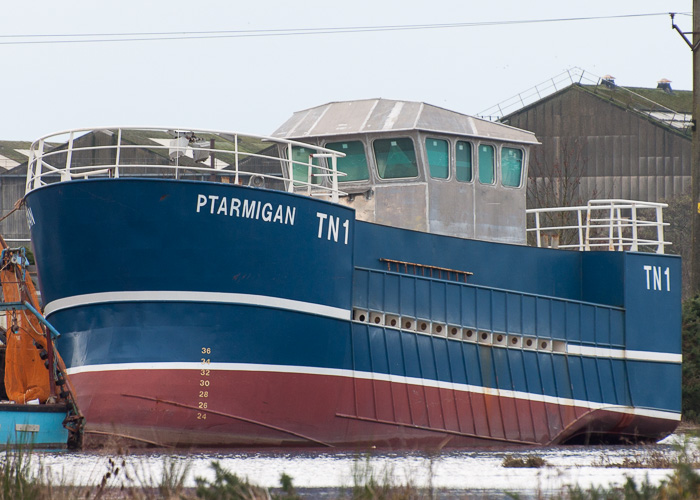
(255, 409)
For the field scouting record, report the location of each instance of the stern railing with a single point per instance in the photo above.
(179, 153)
(601, 225)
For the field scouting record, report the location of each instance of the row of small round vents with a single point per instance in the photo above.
(456, 332)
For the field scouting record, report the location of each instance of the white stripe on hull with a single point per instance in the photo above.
(202, 297)
(307, 307)
(602, 352)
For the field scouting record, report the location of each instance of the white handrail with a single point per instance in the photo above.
(151, 151)
(606, 225)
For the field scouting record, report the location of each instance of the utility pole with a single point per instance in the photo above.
(695, 151)
(695, 154)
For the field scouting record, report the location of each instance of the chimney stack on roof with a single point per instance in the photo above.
(608, 81)
(664, 85)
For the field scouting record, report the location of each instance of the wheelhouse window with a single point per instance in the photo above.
(353, 164)
(486, 164)
(300, 155)
(396, 158)
(511, 166)
(463, 161)
(438, 157)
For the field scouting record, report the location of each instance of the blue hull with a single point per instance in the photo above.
(242, 316)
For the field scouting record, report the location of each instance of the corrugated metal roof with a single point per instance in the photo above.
(384, 115)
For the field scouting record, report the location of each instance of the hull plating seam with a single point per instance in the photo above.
(591, 405)
(193, 296)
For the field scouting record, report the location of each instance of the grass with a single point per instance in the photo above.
(649, 457)
(22, 476)
(370, 483)
(17, 480)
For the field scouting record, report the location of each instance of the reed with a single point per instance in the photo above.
(18, 479)
(532, 461)
(381, 483)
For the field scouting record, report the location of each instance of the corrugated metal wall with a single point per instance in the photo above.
(15, 226)
(621, 154)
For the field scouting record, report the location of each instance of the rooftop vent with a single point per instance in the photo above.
(608, 81)
(664, 85)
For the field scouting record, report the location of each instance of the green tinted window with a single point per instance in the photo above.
(396, 158)
(486, 162)
(354, 163)
(438, 157)
(301, 172)
(511, 166)
(463, 161)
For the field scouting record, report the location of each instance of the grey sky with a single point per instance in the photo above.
(253, 84)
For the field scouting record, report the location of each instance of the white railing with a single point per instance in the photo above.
(601, 224)
(180, 153)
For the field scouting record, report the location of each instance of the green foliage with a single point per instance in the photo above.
(630, 491)
(228, 486)
(691, 359)
(679, 215)
(683, 483)
(288, 491)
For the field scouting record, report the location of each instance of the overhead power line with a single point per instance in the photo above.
(55, 38)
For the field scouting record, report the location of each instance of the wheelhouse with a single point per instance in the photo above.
(417, 166)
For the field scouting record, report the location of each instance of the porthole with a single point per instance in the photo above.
(392, 320)
(360, 315)
(376, 318)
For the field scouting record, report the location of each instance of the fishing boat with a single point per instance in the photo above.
(37, 405)
(359, 279)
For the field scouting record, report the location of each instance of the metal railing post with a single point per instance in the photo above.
(290, 164)
(65, 174)
(635, 235)
(660, 230)
(118, 155)
(38, 170)
(334, 179)
(611, 238)
(618, 223)
(587, 245)
(235, 152)
(580, 229)
(309, 174)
